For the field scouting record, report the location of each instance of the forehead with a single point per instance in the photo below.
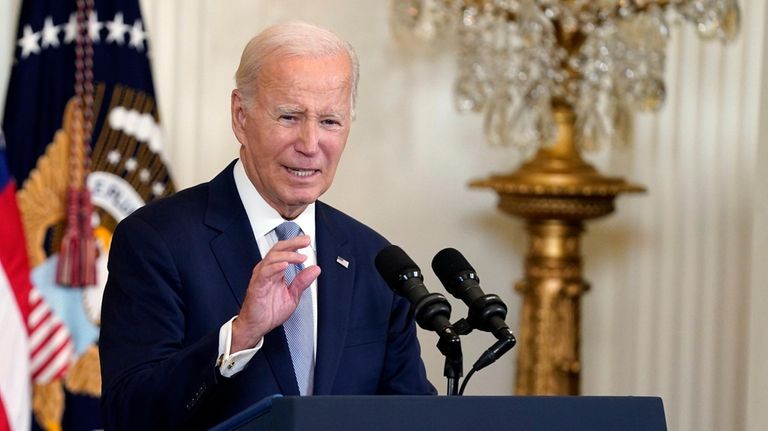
(296, 74)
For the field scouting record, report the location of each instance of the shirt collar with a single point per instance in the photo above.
(263, 218)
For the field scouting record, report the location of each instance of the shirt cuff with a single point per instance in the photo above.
(231, 364)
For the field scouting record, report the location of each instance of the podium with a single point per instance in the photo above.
(474, 413)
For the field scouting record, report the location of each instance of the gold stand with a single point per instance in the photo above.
(555, 193)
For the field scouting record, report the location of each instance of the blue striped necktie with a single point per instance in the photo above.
(299, 328)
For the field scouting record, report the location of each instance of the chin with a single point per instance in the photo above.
(305, 195)
(301, 199)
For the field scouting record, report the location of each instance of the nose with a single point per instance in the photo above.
(308, 143)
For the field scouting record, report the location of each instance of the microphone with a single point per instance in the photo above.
(431, 310)
(486, 312)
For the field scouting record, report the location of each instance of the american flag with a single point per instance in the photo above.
(38, 345)
(14, 308)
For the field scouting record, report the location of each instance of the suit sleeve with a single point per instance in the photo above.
(150, 379)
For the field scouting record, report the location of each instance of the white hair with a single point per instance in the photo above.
(291, 39)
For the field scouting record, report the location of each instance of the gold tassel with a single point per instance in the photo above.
(77, 256)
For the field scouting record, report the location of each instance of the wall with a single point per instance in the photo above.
(673, 272)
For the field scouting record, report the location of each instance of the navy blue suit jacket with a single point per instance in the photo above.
(179, 269)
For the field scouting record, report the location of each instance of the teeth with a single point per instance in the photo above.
(301, 173)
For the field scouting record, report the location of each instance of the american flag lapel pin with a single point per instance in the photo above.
(343, 262)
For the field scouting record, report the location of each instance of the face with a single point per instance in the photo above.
(293, 129)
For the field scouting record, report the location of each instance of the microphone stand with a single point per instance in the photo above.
(488, 308)
(432, 312)
(450, 346)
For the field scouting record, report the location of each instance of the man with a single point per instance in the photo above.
(248, 286)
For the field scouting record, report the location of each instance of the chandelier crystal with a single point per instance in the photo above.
(518, 58)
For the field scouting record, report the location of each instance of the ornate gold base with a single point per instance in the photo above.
(555, 193)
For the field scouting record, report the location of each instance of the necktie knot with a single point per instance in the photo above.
(287, 230)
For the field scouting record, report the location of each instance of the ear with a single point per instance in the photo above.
(239, 115)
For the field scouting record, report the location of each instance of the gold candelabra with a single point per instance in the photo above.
(559, 76)
(555, 192)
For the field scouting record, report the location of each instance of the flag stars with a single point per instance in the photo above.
(117, 29)
(50, 33)
(70, 29)
(113, 157)
(138, 36)
(94, 27)
(30, 42)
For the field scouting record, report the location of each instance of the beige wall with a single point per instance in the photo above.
(674, 272)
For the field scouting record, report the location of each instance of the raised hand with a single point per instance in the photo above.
(268, 301)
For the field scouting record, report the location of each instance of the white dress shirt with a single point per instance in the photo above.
(264, 219)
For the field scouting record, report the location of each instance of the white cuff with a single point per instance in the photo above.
(229, 365)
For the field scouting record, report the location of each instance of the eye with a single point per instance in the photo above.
(288, 118)
(331, 122)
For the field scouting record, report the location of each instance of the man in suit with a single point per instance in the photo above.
(247, 285)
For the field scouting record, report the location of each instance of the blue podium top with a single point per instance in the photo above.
(402, 413)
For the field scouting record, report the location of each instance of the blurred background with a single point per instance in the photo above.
(679, 298)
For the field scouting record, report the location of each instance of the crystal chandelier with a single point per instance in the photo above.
(517, 59)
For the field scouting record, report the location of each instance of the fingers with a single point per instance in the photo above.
(294, 244)
(268, 302)
(303, 280)
(281, 259)
(282, 254)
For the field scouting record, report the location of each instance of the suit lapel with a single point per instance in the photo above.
(236, 252)
(335, 287)
(235, 248)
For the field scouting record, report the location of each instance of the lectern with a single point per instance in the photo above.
(474, 413)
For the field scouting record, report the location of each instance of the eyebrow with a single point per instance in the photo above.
(292, 109)
(336, 114)
(289, 110)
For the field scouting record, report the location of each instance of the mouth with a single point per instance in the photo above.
(302, 173)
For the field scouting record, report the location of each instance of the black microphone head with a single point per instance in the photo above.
(431, 310)
(449, 266)
(393, 263)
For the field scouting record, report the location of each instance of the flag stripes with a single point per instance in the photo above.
(49, 339)
(14, 310)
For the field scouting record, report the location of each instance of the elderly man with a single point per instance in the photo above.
(247, 286)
